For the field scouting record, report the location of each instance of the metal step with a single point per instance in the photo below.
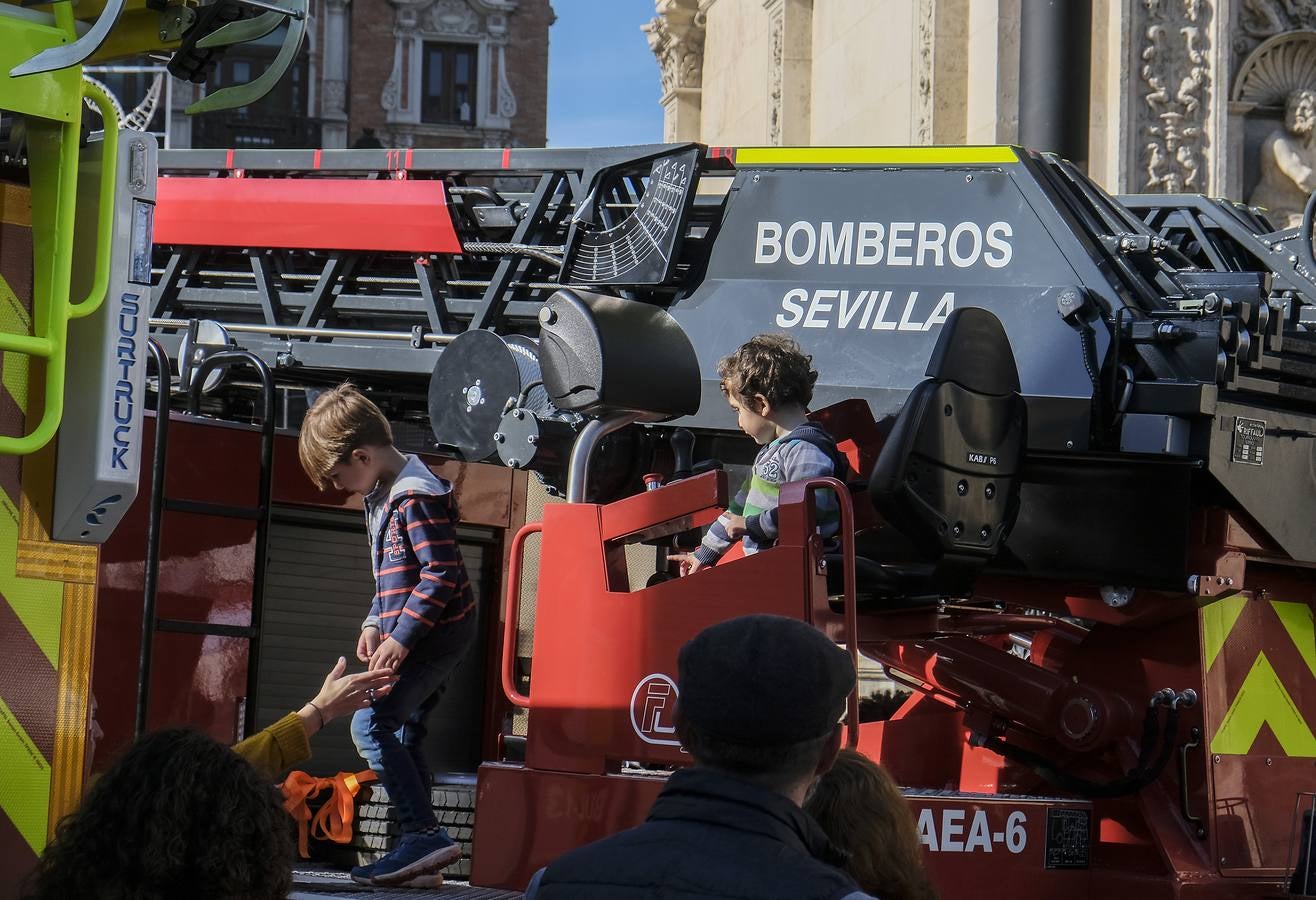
(321, 883)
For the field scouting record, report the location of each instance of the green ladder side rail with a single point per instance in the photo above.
(51, 103)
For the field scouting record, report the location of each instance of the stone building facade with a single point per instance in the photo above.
(404, 73)
(1180, 95)
(401, 53)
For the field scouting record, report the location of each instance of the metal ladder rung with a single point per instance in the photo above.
(222, 510)
(183, 626)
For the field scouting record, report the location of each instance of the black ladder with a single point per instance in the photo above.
(159, 504)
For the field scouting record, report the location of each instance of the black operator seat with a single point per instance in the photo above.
(947, 478)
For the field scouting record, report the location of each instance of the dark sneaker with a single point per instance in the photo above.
(416, 854)
(362, 874)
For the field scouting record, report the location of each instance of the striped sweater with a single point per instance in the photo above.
(806, 452)
(420, 581)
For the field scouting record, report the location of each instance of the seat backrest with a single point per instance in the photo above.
(947, 477)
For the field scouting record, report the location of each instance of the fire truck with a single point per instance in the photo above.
(1081, 425)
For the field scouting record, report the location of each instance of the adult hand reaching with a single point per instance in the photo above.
(344, 694)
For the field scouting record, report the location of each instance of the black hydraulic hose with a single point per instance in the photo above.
(1142, 774)
(151, 574)
(1088, 337)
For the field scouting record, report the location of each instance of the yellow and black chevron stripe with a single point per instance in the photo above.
(47, 599)
(1260, 656)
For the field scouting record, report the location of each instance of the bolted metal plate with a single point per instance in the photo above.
(473, 379)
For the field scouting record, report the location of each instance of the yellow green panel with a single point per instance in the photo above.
(25, 793)
(875, 156)
(14, 320)
(48, 95)
(37, 603)
(1297, 619)
(137, 32)
(1218, 619)
(1262, 699)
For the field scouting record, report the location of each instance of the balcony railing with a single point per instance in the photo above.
(239, 130)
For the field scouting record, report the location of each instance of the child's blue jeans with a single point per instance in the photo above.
(390, 734)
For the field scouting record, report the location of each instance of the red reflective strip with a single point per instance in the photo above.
(507, 157)
(228, 160)
(316, 163)
(404, 216)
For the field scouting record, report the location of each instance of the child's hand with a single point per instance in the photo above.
(367, 643)
(687, 561)
(735, 526)
(389, 656)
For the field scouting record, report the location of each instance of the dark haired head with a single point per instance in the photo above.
(864, 813)
(179, 815)
(770, 365)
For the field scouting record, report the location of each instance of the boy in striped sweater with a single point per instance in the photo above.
(422, 618)
(769, 383)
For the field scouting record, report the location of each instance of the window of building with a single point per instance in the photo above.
(449, 87)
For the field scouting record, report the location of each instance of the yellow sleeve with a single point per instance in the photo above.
(276, 748)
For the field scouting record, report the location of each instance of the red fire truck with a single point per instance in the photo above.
(1070, 544)
(1082, 427)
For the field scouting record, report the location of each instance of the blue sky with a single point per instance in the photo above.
(603, 85)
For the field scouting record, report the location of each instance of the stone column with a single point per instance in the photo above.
(992, 73)
(676, 37)
(790, 71)
(1172, 95)
(333, 96)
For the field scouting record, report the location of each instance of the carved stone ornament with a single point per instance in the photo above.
(1262, 19)
(453, 17)
(927, 26)
(391, 96)
(506, 99)
(1278, 67)
(776, 48)
(333, 96)
(676, 37)
(1174, 66)
(1281, 73)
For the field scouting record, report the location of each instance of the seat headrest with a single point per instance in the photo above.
(974, 353)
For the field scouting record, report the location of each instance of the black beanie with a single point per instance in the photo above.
(763, 681)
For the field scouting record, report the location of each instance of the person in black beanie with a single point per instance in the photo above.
(760, 699)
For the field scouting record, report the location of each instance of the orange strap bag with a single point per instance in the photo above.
(333, 820)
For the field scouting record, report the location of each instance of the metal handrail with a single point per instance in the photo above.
(846, 507)
(512, 614)
(51, 309)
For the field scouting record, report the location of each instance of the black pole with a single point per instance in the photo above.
(156, 510)
(1055, 53)
(212, 362)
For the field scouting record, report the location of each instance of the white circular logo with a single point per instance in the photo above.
(653, 706)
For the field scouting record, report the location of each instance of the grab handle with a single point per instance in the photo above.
(512, 613)
(51, 309)
(846, 507)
